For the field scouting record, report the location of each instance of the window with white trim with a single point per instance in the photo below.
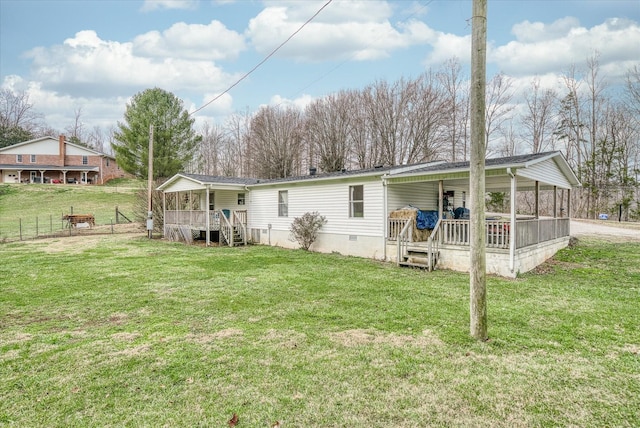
(18, 158)
(241, 199)
(85, 160)
(33, 158)
(356, 201)
(283, 203)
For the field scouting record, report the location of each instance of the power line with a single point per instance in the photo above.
(265, 58)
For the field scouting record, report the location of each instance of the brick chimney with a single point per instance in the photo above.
(62, 150)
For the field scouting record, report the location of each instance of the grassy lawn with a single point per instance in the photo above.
(20, 203)
(120, 331)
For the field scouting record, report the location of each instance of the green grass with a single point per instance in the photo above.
(47, 203)
(115, 331)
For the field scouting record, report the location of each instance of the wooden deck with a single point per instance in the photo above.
(498, 232)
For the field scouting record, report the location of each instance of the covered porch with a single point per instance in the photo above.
(516, 241)
(193, 206)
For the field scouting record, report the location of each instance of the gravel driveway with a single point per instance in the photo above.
(587, 228)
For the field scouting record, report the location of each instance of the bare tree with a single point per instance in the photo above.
(385, 105)
(539, 119)
(498, 107)
(276, 142)
(207, 159)
(364, 153)
(95, 139)
(236, 159)
(328, 123)
(456, 93)
(75, 132)
(18, 120)
(426, 115)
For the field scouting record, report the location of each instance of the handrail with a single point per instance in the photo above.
(226, 229)
(238, 219)
(403, 239)
(433, 237)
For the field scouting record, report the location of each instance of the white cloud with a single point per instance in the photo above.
(57, 108)
(150, 5)
(358, 30)
(300, 103)
(541, 48)
(446, 46)
(531, 32)
(88, 66)
(191, 41)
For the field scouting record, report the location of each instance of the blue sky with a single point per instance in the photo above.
(94, 55)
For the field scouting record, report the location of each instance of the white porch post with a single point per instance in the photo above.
(42, 176)
(512, 225)
(537, 213)
(385, 218)
(555, 201)
(19, 176)
(440, 198)
(164, 212)
(206, 211)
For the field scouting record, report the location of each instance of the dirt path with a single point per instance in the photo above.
(623, 232)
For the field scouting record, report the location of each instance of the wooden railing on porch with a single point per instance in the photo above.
(498, 233)
(197, 218)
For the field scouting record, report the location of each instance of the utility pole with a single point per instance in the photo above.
(478, 268)
(150, 185)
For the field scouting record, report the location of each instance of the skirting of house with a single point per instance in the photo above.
(457, 258)
(349, 245)
(526, 259)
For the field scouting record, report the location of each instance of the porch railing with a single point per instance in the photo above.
(433, 246)
(395, 227)
(497, 232)
(197, 218)
(403, 238)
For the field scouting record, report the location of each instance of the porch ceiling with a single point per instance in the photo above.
(495, 181)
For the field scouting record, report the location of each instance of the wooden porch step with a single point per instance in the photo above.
(420, 261)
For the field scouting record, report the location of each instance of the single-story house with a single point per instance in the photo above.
(51, 160)
(384, 213)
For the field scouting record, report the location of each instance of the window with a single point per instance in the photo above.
(19, 158)
(356, 201)
(33, 158)
(241, 199)
(107, 161)
(283, 203)
(85, 160)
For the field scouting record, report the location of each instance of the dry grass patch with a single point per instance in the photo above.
(359, 337)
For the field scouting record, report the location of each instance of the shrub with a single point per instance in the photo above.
(305, 229)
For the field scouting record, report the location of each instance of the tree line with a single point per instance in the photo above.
(411, 120)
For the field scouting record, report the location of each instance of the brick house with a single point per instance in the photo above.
(51, 160)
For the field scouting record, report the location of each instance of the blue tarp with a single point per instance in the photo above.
(461, 213)
(426, 219)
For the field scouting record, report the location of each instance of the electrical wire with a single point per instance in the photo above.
(264, 60)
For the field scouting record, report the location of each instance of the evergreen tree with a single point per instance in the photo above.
(174, 138)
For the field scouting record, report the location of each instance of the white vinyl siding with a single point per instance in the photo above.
(329, 199)
(546, 171)
(420, 195)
